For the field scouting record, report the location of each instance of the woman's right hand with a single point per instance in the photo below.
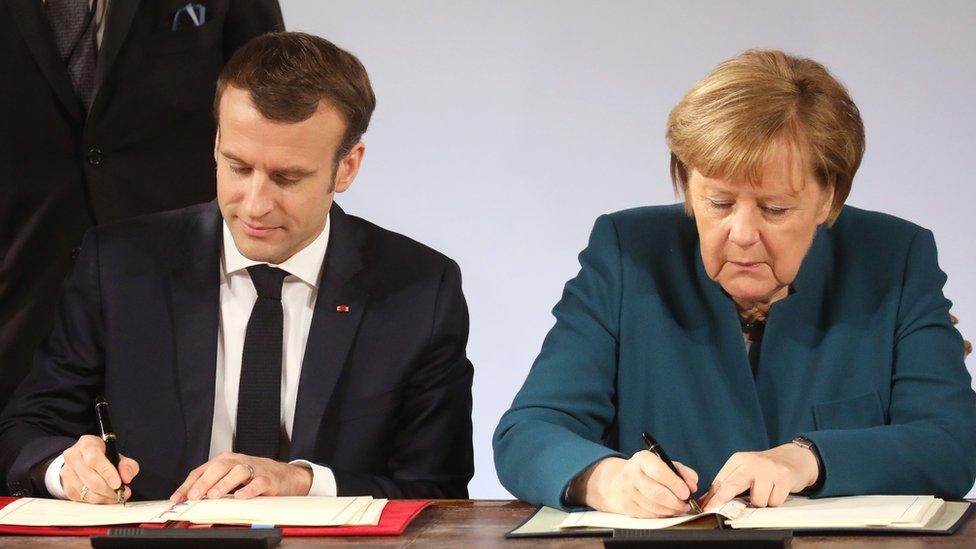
(642, 486)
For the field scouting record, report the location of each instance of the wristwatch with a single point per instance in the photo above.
(807, 444)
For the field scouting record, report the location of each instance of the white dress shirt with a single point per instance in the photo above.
(237, 297)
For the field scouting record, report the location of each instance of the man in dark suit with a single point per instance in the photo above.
(265, 344)
(106, 114)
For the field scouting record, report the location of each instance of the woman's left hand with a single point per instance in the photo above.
(768, 476)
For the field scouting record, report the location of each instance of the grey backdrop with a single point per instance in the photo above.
(503, 129)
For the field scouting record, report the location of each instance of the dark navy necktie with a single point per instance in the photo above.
(74, 33)
(259, 397)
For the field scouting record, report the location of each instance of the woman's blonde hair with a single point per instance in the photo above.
(725, 125)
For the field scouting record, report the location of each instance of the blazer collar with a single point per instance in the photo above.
(807, 289)
(732, 364)
(37, 34)
(811, 280)
(794, 323)
(339, 307)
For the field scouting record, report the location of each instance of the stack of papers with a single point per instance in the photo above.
(796, 513)
(272, 511)
(849, 512)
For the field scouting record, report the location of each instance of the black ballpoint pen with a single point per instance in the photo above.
(108, 436)
(658, 450)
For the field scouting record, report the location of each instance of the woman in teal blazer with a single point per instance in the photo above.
(773, 340)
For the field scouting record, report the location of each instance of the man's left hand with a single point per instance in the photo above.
(245, 477)
(769, 476)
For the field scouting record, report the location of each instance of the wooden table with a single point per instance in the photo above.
(473, 524)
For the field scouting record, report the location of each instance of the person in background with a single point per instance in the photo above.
(266, 343)
(106, 110)
(774, 340)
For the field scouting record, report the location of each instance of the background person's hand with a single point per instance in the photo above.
(642, 486)
(769, 476)
(85, 465)
(245, 477)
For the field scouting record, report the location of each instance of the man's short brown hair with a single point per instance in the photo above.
(725, 125)
(289, 73)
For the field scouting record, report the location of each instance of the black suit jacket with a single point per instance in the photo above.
(384, 397)
(146, 146)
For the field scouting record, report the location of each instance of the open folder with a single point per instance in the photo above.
(295, 515)
(905, 514)
(279, 511)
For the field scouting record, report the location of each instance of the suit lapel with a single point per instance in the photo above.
(332, 332)
(37, 34)
(118, 20)
(733, 364)
(195, 293)
(794, 330)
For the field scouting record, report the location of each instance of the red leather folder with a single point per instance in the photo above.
(396, 516)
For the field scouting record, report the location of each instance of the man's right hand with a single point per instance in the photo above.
(85, 465)
(642, 486)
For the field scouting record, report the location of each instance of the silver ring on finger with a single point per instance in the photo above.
(84, 492)
(250, 472)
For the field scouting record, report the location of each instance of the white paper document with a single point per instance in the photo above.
(600, 519)
(278, 511)
(797, 512)
(56, 512)
(843, 512)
